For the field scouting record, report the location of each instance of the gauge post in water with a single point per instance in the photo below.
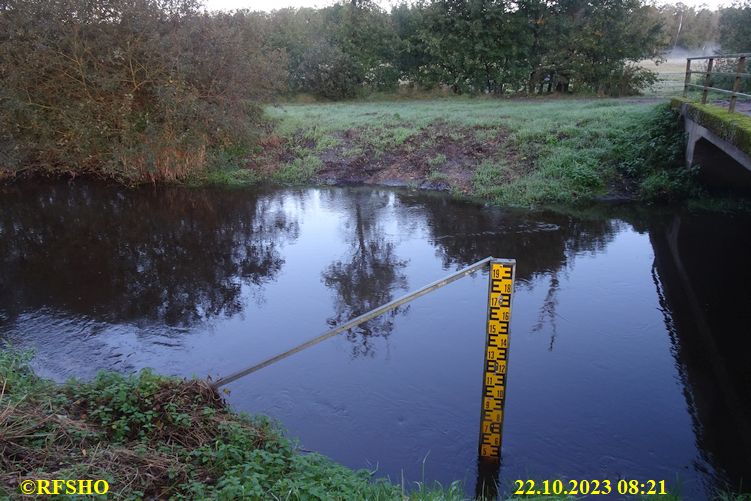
(500, 289)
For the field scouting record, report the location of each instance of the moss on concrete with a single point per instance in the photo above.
(732, 127)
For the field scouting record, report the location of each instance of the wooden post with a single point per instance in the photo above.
(688, 77)
(737, 85)
(707, 80)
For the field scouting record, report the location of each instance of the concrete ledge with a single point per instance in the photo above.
(735, 128)
(719, 142)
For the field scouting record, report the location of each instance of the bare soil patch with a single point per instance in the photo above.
(437, 157)
(440, 156)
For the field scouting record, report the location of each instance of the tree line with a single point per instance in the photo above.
(493, 46)
(151, 90)
(470, 46)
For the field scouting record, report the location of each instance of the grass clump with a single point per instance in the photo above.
(300, 171)
(437, 176)
(650, 157)
(231, 178)
(438, 159)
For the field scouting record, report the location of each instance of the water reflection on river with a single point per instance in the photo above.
(630, 346)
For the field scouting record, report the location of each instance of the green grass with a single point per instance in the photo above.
(560, 151)
(557, 152)
(437, 177)
(300, 171)
(229, 177)
(439, 159)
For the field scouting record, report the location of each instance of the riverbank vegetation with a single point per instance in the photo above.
(153, 91)
(157, 437)
(514, 152)
(135, 91)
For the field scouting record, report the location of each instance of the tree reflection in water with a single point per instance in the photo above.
(543, 243)
(170, 256)
(368, 274)
(547, 310)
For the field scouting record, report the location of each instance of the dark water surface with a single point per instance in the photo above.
(630, 339)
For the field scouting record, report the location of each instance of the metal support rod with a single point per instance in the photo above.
(737, 85)
(355, 321)
(688, 77)
(707, 81)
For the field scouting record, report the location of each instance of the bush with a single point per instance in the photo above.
(326, 71)
(133, 90)
(628, 80)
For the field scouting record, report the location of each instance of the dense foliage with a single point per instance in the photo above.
(132, 89)
(689, 28)
(735, 27)
(470, 46)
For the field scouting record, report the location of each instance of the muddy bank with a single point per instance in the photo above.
(438, 157)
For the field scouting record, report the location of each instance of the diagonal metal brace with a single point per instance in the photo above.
(355, 321)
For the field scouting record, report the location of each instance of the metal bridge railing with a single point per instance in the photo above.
(709, 73)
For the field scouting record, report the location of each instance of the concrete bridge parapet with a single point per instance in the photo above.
(719, 143)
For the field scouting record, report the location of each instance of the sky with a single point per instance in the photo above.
(269, 5)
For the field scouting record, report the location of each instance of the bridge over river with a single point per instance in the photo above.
(719, 138)
(718, 142)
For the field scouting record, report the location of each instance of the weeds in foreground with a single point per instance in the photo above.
(151, 436)
(159, 437)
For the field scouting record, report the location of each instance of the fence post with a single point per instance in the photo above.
(688, 77)
(707, 80)
(737, 85)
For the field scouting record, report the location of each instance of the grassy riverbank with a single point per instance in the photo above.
(510, 152)
(157, 437)
(151, 436)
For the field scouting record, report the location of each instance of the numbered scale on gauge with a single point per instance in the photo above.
(500, 290)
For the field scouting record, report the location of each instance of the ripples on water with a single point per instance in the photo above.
(630, 349)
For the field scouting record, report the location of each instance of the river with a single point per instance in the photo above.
(630, 343)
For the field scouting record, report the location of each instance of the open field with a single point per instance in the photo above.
(671, 76)
(511, 152)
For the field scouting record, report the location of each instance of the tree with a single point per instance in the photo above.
(688, 28)
(735, 28)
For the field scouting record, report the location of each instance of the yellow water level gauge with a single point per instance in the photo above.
(500, 289)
